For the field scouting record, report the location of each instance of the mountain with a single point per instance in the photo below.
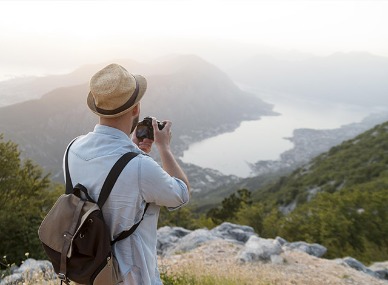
(32, 87)
(308, 144)
(199, 98)
(362, 159)
(353, 163)
(353, 78)
(338, 199)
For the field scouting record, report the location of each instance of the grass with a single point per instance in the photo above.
(212, 264)
(191, 279)
(216, 264)
(199, 274)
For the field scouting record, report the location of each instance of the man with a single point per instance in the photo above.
(115, 97)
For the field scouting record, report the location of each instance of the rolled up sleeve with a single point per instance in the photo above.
(158, 187)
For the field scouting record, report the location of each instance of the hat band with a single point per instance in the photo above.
(124, 107)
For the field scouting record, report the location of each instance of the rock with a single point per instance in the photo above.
(281, 241)
(175, 239)
(277, 259)
(354, 263)
(167, 237)
(15, 278)
(259, 249)
(191, 241)
(233, 232)
(312, 249)
(381, 268)
(29, 270)
(382, 274)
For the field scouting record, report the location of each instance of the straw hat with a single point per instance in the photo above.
(114, 91)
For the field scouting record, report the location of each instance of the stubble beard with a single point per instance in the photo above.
(134, 123)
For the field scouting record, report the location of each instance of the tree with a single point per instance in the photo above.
(181, 217)
(25, 198)
(351, 222)
(251, 215)
(230, 206)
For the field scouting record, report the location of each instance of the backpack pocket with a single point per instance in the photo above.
(109, 274)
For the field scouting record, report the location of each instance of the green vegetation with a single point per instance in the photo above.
(185, 217)
(230, 206)
(197, 273)
(341, 200)
(191, 278)
(354, 162)
(350, 222)
(25, 197)
(341, 197)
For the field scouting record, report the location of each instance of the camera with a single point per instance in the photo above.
(145, 130)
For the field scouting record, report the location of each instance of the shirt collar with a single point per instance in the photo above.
(106, 130)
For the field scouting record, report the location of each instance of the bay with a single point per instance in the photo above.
(265, 139)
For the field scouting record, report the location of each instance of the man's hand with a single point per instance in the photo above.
(144, 144)
(162, 137)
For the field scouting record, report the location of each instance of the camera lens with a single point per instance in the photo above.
(143, 132)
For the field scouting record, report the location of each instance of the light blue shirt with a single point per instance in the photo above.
(142, 181)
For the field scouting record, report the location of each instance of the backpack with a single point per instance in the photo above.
(75, 236)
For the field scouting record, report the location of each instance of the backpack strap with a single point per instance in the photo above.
(108, 186)
(69, 184)
(67, 241)
(111, 179)
(127, 233)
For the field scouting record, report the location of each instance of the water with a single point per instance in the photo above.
(264, 139)
(8, 72)
(11, 72)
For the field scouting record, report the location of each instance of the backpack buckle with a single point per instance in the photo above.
(63, 278)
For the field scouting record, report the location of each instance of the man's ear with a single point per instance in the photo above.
(136, 110)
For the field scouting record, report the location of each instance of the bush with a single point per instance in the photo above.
(25, 198)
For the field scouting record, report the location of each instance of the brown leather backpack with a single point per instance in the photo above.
(75, 236)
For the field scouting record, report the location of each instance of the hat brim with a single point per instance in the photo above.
(142, 89)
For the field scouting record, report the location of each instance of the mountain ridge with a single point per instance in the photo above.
(308, 144)
(352, 162)
(196, 105)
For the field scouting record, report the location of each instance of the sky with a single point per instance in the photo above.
(46, 37)
(52, 37)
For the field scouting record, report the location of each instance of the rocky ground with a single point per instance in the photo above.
(237, 255)
(219, 258)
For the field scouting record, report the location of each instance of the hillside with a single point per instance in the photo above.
(339, 199)
(362, 159)
(308, 144)
(198, 97)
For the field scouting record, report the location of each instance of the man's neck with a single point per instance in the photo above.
(120, 123)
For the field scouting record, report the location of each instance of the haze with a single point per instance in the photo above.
(44, 37)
